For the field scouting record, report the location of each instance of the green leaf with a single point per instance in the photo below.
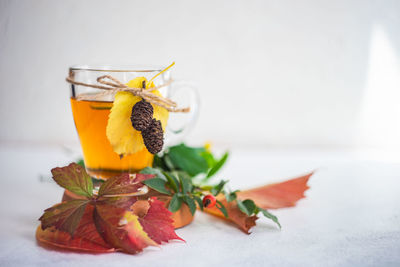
(186, 184)
(64, 216)
(120, 185)
(222, 208)
(269, 215)
(156, 172)
(183, 174)
(157, 184)
(209, 157)
(159, 163)
(231, 196)
(242, 207)
(218, 165)
(168, 162)
(188, 159)
(199, 201)
(247, 206)
(190, 202)
(217, 189)
(172, 181)
(80, 162)
(74, 178)
(175, 203)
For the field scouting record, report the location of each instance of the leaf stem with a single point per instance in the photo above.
(164, 70)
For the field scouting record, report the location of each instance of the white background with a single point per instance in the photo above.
(270, 73)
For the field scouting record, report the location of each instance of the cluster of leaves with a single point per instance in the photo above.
(110, 211)
(117, 219)
(248, 207)
(175, 171)
(180, 166)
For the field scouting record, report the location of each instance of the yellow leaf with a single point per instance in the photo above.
(123, 137)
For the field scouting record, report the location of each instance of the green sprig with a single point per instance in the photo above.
(176, 171)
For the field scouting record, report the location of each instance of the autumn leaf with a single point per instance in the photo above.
(124, 202)
(119, 202)
(272, 196)
(121, 185)
(279, 195)
(155, 219)
(140, 177)
(140, 207)
(235, 215)
(121, 229)
(117, 219)
(157, 222)
(64, 216)
(86, 237)
(74, 178)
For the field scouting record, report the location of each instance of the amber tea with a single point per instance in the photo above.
(101, 161)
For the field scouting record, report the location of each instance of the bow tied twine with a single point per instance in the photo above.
(113, 85)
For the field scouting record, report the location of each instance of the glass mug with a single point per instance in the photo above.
(91, 108)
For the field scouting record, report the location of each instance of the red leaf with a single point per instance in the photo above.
(86, 238)
(143, 177)
(121, 229)
(64, 216)
(74, 178)
(272, 196)
(279, 195)
(121, 202)
(123, 184)
(157, 222)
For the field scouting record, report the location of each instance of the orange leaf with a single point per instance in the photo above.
(279, 195)
(243, 221)
(272, 196)
(86, 237)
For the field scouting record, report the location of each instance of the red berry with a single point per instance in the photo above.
(209, 201)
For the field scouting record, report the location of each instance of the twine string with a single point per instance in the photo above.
(113, 85)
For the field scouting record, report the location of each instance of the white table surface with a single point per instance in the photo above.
(351, 216)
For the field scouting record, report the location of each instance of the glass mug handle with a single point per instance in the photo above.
(185, 94)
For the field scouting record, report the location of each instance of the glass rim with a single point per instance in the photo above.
(116, 68)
